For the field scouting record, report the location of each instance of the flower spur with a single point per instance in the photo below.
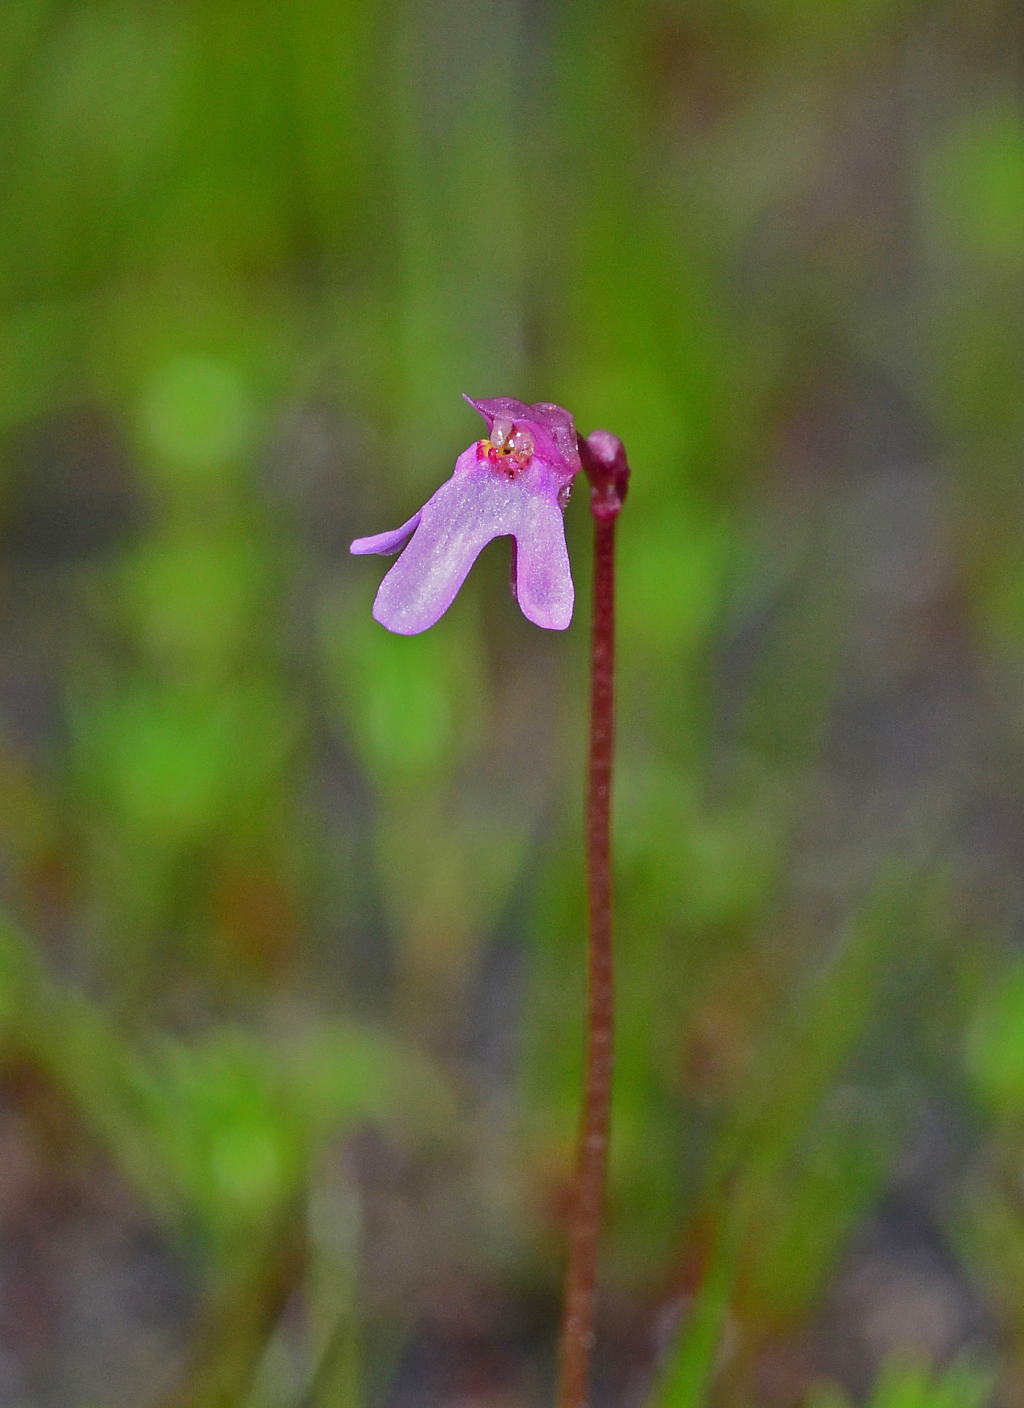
(515, 483)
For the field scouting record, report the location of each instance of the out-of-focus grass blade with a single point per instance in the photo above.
(240, 1315)
(828, 1018)
(688, 1373)
(80, 1051)
(216, 1133)
(903, 1384)
(337, 1380)
(804, 1218)
(768, 1125)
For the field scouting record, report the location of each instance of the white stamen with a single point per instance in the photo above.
(500, 432)
(522, 443)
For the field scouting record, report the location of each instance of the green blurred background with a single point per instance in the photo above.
(291, 973)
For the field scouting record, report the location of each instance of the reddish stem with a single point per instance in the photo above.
(604, 461)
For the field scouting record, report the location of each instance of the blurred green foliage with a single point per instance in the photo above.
(271, 856)
(903, 1385)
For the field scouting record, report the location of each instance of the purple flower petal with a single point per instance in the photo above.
(543, 581)
(388, 542)
(474, 506)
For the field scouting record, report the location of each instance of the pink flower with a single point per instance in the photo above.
(516, 482)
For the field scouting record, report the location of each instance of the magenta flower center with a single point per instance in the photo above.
(509, 449)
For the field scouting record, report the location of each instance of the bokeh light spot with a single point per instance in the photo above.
(246, 1164)
(197, 412)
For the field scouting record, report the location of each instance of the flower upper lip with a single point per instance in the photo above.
(443, 540)
(552, 427)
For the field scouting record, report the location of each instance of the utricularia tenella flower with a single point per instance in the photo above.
(515, 483)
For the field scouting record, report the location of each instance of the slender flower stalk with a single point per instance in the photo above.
(603, 459)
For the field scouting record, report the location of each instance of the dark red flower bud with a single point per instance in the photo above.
(603, 457)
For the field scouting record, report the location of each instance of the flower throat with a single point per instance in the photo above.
(508, 449)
